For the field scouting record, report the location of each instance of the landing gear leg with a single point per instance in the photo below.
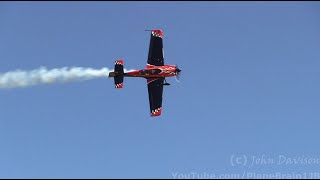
(165, 83)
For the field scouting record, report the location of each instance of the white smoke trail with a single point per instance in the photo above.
(19, 78)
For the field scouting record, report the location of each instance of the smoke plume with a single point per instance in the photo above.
(20, 78)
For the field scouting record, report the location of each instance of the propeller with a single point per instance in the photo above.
(178, 71)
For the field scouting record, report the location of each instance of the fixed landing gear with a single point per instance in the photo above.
(165, 83)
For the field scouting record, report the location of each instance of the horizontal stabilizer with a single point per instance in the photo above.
(118, 74)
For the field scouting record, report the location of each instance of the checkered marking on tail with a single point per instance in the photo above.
(119, 85)
(119, 63)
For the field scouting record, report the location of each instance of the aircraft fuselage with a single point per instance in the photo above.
(154, 72)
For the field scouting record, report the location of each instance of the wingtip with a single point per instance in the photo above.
(157, 33)
(156, 112)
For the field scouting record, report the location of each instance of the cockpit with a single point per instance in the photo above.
(150, 71)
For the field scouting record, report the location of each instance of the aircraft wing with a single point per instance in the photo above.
(155, 56)
(155, 90)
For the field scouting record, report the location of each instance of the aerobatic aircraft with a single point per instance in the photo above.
(155, 72)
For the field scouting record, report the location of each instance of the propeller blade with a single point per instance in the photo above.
(178, 71)
(177, 79)
(178, 75)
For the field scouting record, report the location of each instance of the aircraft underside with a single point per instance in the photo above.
(155, 73)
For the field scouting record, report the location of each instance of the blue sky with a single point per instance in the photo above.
(250, 86)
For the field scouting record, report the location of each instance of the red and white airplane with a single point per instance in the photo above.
(155, 72)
